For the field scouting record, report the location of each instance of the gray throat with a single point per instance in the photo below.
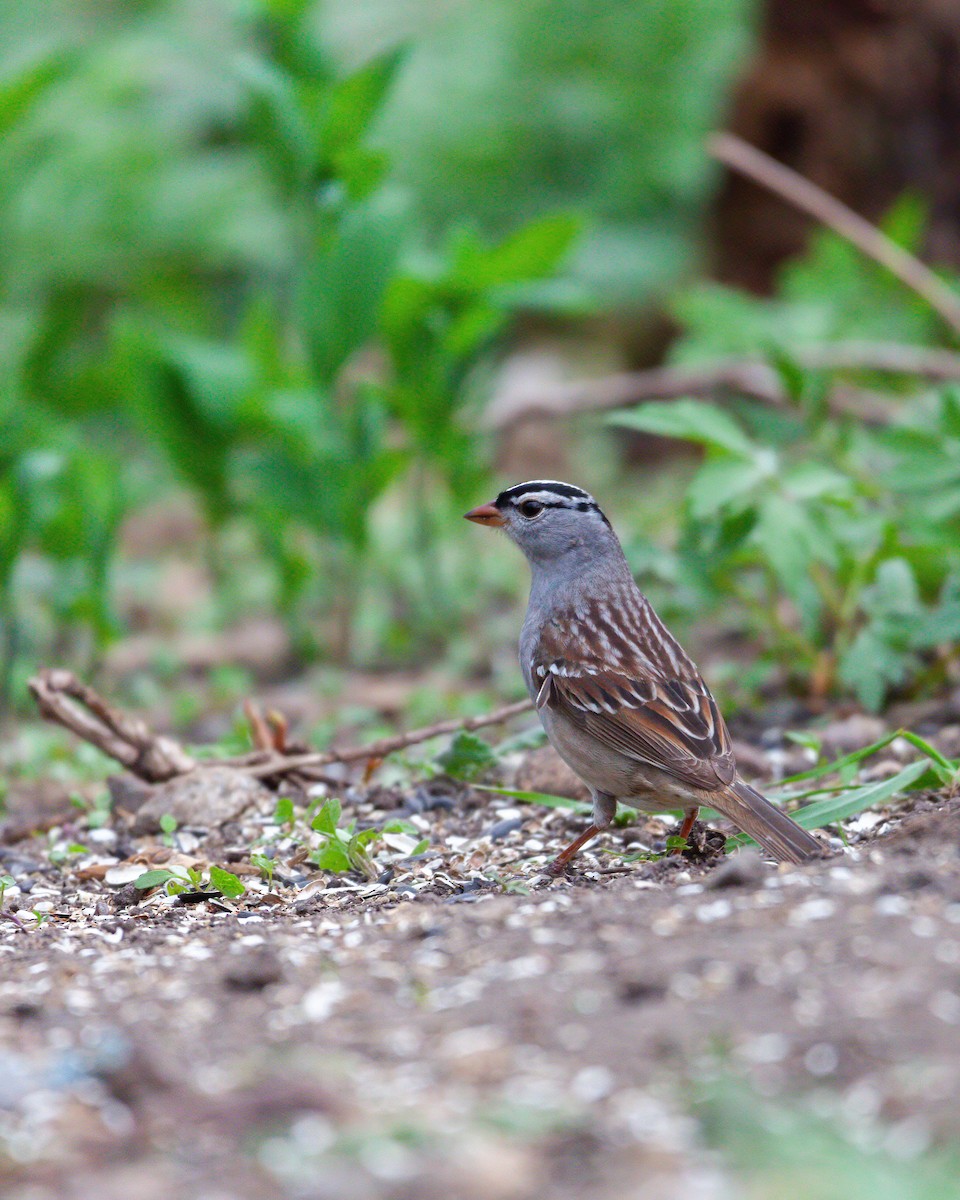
(559, 586)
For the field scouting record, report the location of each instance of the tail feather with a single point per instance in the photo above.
(767, 824)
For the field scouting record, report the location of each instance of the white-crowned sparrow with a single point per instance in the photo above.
(619, 699)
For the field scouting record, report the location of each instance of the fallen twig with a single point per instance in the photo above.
(746, 376)
(62, 698)
(279, 764)
(802, 193)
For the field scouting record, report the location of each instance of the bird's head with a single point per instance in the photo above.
(549, 521)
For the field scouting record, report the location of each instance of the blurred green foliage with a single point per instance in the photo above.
(838, 537)
(262, 249)
(599, 104)
(781, 1148)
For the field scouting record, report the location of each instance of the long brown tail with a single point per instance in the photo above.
(767, 824)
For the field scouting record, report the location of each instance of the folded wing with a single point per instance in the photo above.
(650, 703)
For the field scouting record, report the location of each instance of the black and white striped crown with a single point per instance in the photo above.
(549, 492)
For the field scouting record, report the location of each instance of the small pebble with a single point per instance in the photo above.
(502, 829)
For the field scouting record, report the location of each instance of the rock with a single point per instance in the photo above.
(545, 771)
(124, 873)
(746, 869)
(205, 798)
(502, 829)
(129, 793)
(851, 733)
(253, 969)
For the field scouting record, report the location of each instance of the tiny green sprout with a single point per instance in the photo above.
(283, 813)
(5, 882)
(675, 842)
(265, 865)
(168, 826)
(226, 883)
(98, 814)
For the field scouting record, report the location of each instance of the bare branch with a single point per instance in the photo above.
(62, 698)
(802, 193)
(744, 376)
(380, 749)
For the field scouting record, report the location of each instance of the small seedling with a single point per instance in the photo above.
(283, 814)
(175, 880)
(265, 865)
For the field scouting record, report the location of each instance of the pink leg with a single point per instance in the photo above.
(604, 810)
(685, 828)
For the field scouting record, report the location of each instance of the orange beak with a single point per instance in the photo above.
(486, 514)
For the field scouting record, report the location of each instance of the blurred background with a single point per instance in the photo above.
(286, 286)
(281, 280)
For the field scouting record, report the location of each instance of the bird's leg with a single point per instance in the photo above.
(604, 807)
(688, 819)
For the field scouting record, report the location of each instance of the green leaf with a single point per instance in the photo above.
(354, 102)
(721, 482)
(398, 826)
(333, 857)
(791, 544)
(345, 282)
(815, 480)
(467, 757)
(152, 879)
(328, 818)
(226, 883)
(532, 252)
(690, 421)
(283, 812)
(168, 823)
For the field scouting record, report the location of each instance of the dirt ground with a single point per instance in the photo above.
(452, 1030)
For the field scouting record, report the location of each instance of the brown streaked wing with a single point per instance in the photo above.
(667, 722)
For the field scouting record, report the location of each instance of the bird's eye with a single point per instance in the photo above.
(531, 508)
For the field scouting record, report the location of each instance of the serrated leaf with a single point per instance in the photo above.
(532, 252)
(226, 883)
(467, 757)
(720, 482)
(328, 818)
(688, 420)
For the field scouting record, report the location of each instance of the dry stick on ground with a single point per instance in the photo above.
(379, 749)
(63, 699)
(740, 156)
